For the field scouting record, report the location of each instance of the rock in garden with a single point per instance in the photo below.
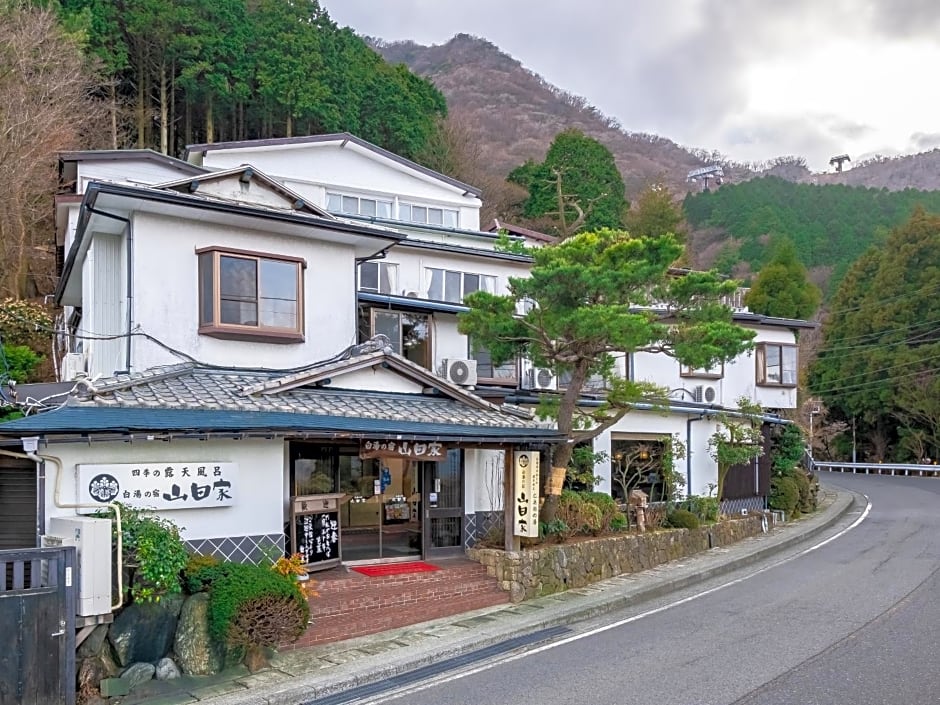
(92, 645)
(138, 673)
(167, 670)
(196, 653)
(144, 631)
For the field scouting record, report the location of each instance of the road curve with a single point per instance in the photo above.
(852, 622)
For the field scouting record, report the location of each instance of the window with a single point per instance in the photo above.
(776, 365)
(250, 295)
(354, 205)
(427, 215)
(447, 285)
(378, 277)
(506, 373)
(409, 333)
(715, 372)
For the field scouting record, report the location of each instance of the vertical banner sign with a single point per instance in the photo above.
(525, 520)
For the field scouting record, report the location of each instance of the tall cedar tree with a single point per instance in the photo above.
(184, 71)
(782, 287)
(881, 338)
(578, 186)
(597, 294)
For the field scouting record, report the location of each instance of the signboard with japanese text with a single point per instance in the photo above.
(414, 450)
(316, 538)
(525, 519)
(177, 485)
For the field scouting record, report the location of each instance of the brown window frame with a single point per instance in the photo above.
(231, 331)
(761, 365)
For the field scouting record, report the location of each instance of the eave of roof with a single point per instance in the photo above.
(408, 302)
(122, 154)
(340, 137)
(102, 420)
(173, 197)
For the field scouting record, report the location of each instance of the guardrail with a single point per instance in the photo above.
(905, 469)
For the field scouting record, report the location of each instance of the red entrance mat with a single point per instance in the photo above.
(375, 571)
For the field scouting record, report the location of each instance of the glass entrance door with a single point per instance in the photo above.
(443, 501)
(380, 514)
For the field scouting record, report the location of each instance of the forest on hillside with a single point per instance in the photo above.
(178, 72)
(830, 225)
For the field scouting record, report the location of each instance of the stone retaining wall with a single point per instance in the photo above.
(548, 568)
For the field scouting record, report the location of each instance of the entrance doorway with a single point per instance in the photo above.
(443, 515)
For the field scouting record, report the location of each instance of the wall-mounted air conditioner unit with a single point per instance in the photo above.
(92, 539)
(707, 394)
(73, 364)
(462, 372)
(539, 378)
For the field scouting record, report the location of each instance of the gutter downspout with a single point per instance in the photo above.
(688, 452)
(130, 277)
(39, 459)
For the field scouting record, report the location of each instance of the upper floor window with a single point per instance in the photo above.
(427, 215)
(378, 277)
(409, 333)
(447, 285)
(507, 373)
(250, 295)
(776, 364)
(715, 372)
(355, 205)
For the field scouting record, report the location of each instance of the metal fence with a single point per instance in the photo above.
(904, 469)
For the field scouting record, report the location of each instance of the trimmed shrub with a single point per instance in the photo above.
(682, 519)
(607, 507)
(784, 494)
(705, 508)
(251, 605)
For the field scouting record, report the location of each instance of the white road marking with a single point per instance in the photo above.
(613, 625)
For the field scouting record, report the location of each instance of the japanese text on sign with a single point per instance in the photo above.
(525, 519)
(195, 485)
(417, 450)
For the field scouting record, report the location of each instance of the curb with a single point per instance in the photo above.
(310, 687)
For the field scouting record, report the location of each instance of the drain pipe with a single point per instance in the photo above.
(38, 459)
(688, 452)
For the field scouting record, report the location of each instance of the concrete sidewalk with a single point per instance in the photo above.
(311, 674)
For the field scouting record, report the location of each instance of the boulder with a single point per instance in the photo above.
(197, 654)
(167, 670)
(91, 671)
(144, 630)
(92, 645)
(138, 673)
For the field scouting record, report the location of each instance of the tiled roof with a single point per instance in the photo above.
(194, 398)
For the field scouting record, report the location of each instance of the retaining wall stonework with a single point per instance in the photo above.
(548, 569)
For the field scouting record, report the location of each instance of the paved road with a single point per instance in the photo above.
(854, 621)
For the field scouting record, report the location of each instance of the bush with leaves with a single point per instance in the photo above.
(251, 605)
(25, 323)
(706, 509)
(682, 519)
(18, 362)
(609, 511)
(153, 551)
(784, 494)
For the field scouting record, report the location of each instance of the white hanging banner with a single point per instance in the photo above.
(525, 520)
(177, 485)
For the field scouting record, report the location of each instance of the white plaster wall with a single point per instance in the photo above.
(376, 377)
(448, 343)
(166, 295)
(125, 171)
(644, 424)
(259, 507)
(484, 477)
(309, 167)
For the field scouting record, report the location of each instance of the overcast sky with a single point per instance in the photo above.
(754, 79)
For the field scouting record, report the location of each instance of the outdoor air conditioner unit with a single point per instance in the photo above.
(73, 364)
(462, 372)
(91, 537)
(706, 394)
(540, 378)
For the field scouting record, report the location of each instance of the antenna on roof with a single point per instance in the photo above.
(837, 161)
(705, 173)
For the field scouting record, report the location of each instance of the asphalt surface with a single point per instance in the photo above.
(747, 623)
